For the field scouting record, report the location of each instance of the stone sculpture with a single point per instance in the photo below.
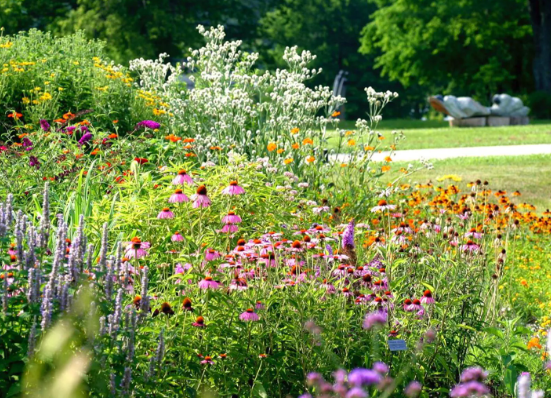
(505, 105)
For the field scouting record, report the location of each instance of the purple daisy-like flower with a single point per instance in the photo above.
(475, 373)
(182, 178)
(165, 214)
(229, 228)
(178, 197)
(177, 237)
(233, 189)
(208, 283)
(44, 125)
(249, 316)
(470, 389)
(231, 218)
(413, 389)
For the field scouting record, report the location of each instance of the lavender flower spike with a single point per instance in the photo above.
(348, 245)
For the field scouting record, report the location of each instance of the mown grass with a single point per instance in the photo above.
(436, 134)
(531, 175)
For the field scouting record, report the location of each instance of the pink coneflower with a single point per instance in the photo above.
(136, 248)
(199, 322)
(207, 361)
(233, 189)
(231, 218)
(211, 254)
(165, 214)
(382, 205)
(259, 305)
(200, 199)
(268, 259)
(249, 316)
(230, 228)
(408, 305)
(470, 246)
(208, 283)
(177, 237)
(182, 178)
(414, 305)
(427, 297)
(473, 233)
(178, 197)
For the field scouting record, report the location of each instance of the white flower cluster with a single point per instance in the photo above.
(233, 104)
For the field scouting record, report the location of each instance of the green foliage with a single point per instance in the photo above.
(539, 103)
(462, 47)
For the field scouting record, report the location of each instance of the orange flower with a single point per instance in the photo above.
(351, 142)
(280, 151)
(295, 130)
(60, 120)
(15, 115)
(115, 121)
(216, 148)
(84, 123)
(190, 155)
(188, 140)
(335, 114)
(295, 145)
(388, 159)
(288, 160)
(534, 343)
(368, 148)
(384, 169)
(307, 141)
(94, 152)
(113, 136)
(346, 134)
(343, 165)
(188, 146)
(310, 159)
(271, 147)
(68, 116)
(173, 138)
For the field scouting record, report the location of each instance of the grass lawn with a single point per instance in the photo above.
(531, 175)
(436, 134)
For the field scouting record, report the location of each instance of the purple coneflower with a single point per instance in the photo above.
(427, 297)
(208, 283)
(249, 316)
(470, 389)
(382, 205)
(259, 305)
(233, 189)
(475, 373)
(231, 218)
(470, 247)
(136, 248)
(177, 237)
(44, 124)
(182, 178)
(207, 361)
(200, 199)
(165, 214)
(230, 228)
(211, 254)
(178, 197)
(199, 322)
(150, 124)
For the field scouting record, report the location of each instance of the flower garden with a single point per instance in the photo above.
(158, 241)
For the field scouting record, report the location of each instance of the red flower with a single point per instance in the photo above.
(141, 160)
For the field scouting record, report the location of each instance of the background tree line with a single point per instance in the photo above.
(415, 47)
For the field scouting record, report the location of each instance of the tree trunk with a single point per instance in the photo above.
(540, 15)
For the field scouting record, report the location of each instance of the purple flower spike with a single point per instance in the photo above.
(364, 377)
(85, 138)
(150, 124)
(44, 125)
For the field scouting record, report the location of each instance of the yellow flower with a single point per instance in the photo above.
(45, 97)
(368, 148)
(310, 159)
(271, 147)
(295, 130)
(288, 160)
(384, 169)
(158, 112)
(7, 44)
(25, 100)
(351, 142)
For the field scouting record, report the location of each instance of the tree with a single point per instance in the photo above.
(465, 47)
(540, 14)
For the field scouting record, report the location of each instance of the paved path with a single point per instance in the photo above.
(446, 153)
